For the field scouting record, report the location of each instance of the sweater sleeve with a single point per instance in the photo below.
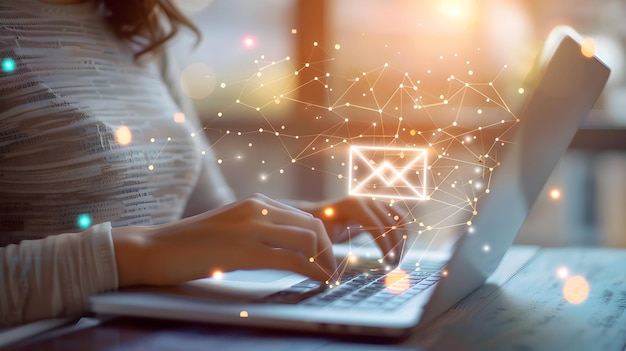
(54, 277)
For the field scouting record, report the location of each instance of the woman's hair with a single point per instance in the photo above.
(148, 23)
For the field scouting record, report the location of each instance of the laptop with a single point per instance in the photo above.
(562, 89)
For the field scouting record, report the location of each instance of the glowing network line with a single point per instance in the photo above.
(384, 107)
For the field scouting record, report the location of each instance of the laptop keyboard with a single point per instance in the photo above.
(365, 288)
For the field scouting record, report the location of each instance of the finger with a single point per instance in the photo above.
(386, 215)
(305, 230)
(324, 253)
(294, 238)
(373, 223)
(401, 217)
(291, 261)
(277, 204)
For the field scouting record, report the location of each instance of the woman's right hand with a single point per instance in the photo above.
(254, 233)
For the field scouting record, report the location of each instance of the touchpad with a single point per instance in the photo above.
(256, 276)
(250, 283)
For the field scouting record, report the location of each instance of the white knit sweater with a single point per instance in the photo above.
(86, 134)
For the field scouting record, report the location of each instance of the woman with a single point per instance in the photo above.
(92, 145)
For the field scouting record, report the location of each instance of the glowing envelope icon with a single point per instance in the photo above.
(386, 172)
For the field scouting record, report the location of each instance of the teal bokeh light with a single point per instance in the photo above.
(8, 64)
(84, 221)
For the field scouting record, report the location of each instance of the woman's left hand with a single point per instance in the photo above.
(352, 215)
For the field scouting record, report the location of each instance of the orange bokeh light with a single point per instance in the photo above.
(329, 211)
(588, 47)
(576, 290)
(555, 194)
(397, 281)
(123, 136)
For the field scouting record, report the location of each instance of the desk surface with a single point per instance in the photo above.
(527, 312)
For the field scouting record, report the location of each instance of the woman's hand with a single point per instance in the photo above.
(257, 232)
(384, 221)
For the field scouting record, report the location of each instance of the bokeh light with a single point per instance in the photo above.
(197, 80)
(123, 136)
(555, 193)
(248, 42)
(329, 211)
(84, 221)
(179, 117)
(576, 290)
(8, 65)
(562, 272)
(588, 47)
(397, 281)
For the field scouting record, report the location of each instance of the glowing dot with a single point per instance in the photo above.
(444, 273)
(152, 140)
(337, 46)
(294, 31)
(264, 211)
(520, 90)
(576, 290)
(555, 194)
(243, 314)
(151, 167)
(123, 136)
(562, 272)
(588, 48)
(248, 42)
(8, 65)
(311, 259)
(219, 160)
(486, 248)
(84, 221)
(223, 85)
(217, 274)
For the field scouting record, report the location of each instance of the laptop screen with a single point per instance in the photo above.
(562, 89)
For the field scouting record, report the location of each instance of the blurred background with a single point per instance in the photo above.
(269, 79)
